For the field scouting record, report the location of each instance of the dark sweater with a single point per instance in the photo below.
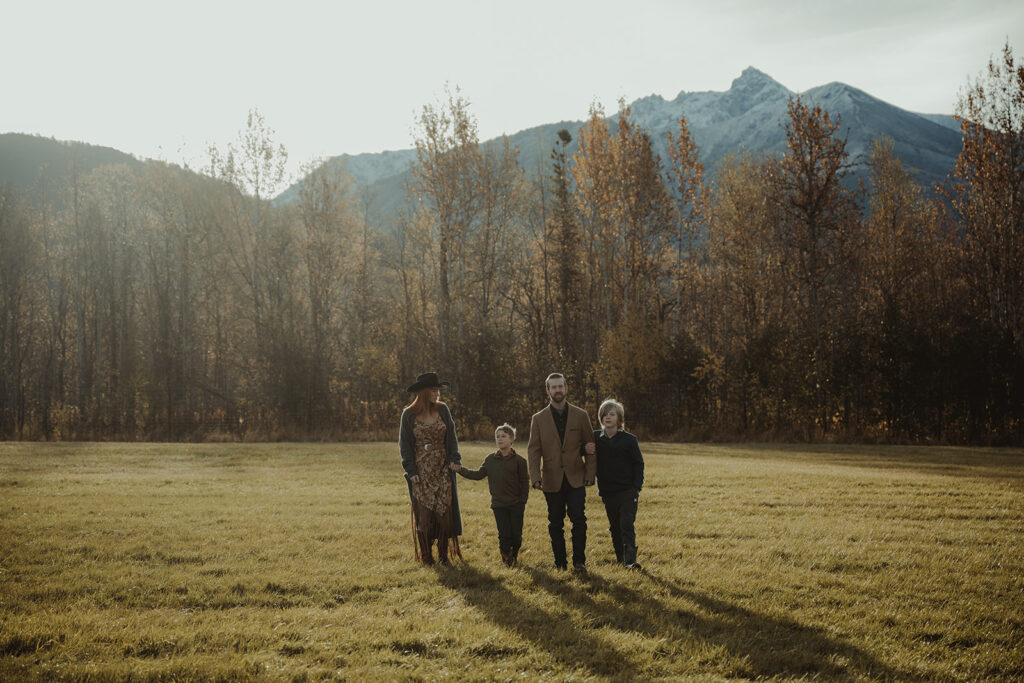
(620, 465)
(508, 479)
(561, 421)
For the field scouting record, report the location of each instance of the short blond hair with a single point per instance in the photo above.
(609, 405)
(508, 429)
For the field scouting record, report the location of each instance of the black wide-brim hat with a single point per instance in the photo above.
(427, 379)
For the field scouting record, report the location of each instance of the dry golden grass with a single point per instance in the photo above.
(239, 562)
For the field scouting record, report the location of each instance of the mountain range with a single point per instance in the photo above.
(749, 116)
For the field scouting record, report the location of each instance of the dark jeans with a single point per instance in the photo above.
(621, 508)
(510, 527)
(571, 500)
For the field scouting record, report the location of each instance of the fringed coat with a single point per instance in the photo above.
(407, 446)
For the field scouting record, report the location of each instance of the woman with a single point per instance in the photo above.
(428, 445)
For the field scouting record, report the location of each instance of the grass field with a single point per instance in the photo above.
(294, 561)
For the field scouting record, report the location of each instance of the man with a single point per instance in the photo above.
(562, 464)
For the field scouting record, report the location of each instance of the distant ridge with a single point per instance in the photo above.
(749, 116)
(35, 163)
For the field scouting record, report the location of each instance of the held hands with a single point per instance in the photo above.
(537, 484)
(590, 448)
(455, 467)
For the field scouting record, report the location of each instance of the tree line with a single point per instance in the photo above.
(770, 298)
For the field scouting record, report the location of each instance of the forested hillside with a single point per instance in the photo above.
(42, 166)
(780, 301)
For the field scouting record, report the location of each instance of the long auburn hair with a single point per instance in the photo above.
(424, 403)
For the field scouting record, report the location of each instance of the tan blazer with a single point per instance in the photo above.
(549, 459)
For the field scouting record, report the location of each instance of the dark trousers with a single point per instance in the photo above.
(621, 508)
(569, 500)
(510, 528)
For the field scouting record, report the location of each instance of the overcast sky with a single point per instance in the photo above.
(331, 77)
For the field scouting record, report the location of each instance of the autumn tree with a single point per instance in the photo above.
(818, 221)
(369, 375)
(627, 219)
(19, 251)
(258, 243)
(642, 214)
(495, 233)
(326, 215)
(444, 182)
(254, 167)
(176, 239)
(635, 356)
(744, 299)
(626, 216)
(534, 282)
(495, 230)
(116, 190)
(900, 308)
(562, 241)
(988, 198)
(686, 183)
(989, 191)
(54, 352)
(409, 258)
(102, 263)
(593, 176)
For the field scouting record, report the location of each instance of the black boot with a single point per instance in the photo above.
(426, 550)
(629, 557)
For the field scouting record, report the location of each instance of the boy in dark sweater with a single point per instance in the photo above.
(620, 476)
(509, 480)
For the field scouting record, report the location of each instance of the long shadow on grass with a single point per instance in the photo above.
(550, 631)
(762, 645)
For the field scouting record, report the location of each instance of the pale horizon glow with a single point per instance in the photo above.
(168, 81)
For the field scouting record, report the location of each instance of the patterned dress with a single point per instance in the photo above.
(432, 494)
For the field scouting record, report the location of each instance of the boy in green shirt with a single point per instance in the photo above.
(509, 480)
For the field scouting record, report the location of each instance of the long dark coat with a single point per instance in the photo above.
(407, 446)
